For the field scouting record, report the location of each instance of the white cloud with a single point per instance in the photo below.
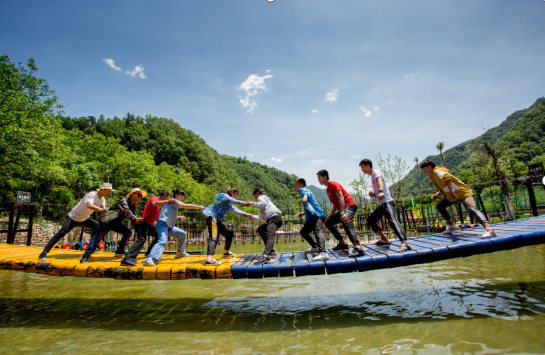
(138, 70)
(355, 156)
(369, 112)
(268, 71)
(252, 86)
(331, 97)
(319, 161)
(409, 77)
(314, 111)
(251, 155)
(111, 63)
(278, 160)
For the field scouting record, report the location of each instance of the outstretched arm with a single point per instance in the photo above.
(187, 206)
(237, 211)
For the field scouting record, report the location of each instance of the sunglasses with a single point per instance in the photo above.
(139, 195)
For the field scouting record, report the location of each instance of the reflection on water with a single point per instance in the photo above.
(484, 304)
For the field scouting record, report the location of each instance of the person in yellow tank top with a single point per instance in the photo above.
(453, 191)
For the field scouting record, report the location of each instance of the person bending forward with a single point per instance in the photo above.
(215, 213)
(314, 221)
(386, 207)
(165, 227)
(272, 217)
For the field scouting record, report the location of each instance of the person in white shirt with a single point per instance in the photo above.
(385, 209)
(272, 217)
(93, 201)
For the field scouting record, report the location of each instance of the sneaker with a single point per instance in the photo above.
(127, 262)
(213, 262)
(120, 253)
(84, 260)
(489, 234)
(312, 250)
(341, 247)
(356, 252)
(451, 228)
(321, 257)
(229, 253)
(181, 255)
(273, 253)
(148, 262)
(43, 256)
(263, 259)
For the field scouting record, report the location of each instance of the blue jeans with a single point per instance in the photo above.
(163, 232)
(103, 229)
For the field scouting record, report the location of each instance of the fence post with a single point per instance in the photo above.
(482, 206)
(30, 224)
(532, 197)
(9, 239)
(460, 213)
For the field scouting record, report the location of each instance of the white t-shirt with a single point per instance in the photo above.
(81, 212)
(385, 190)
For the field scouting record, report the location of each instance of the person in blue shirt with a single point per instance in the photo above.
(165, 227)
(314, 220)
(215, 214)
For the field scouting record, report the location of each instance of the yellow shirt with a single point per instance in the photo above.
(441, 176)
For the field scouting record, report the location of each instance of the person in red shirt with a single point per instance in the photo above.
(347, 208)
(147, 226)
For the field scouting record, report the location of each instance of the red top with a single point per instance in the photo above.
(331, 191)
(151, 213)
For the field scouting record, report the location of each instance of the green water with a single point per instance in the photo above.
(484, 304)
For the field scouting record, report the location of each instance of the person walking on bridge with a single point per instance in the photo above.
(453, 191)
(147, 226)
(215, 214)
(314, 220)
(165, 227)
(79, 215)
(344, 210)
(386, 207)
(112, 220)
(272, 217)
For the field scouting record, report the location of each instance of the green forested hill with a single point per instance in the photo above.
(170, 143)
(520, 134)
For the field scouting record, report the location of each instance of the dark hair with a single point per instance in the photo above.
(366, 162)
(231, 190)
(178, 192)
(259, 190)
(301, 181)
(323, 173)
(163, 193)
(427, 162)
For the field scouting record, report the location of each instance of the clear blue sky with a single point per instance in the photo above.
(301, 85)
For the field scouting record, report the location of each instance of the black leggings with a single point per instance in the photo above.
(314, 224)
(142, 229)
(268, 231)
(386, 209)
(350, 212)
(67, 226)
(213, 239)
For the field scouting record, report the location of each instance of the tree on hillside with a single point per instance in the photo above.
(30, 134)
(500, 175)
(421, 193)
(393, 169)
(440, 146)
(361, 186)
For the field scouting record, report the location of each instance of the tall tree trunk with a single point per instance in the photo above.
(500, 175)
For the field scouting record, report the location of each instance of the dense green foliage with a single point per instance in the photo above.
(519, 139)
(61, 165)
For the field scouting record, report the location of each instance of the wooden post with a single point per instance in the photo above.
(460, 213)
(482, 206)
(404, 217)
(532, 197)
(9, 239)
(30, 225)
(15, 226)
